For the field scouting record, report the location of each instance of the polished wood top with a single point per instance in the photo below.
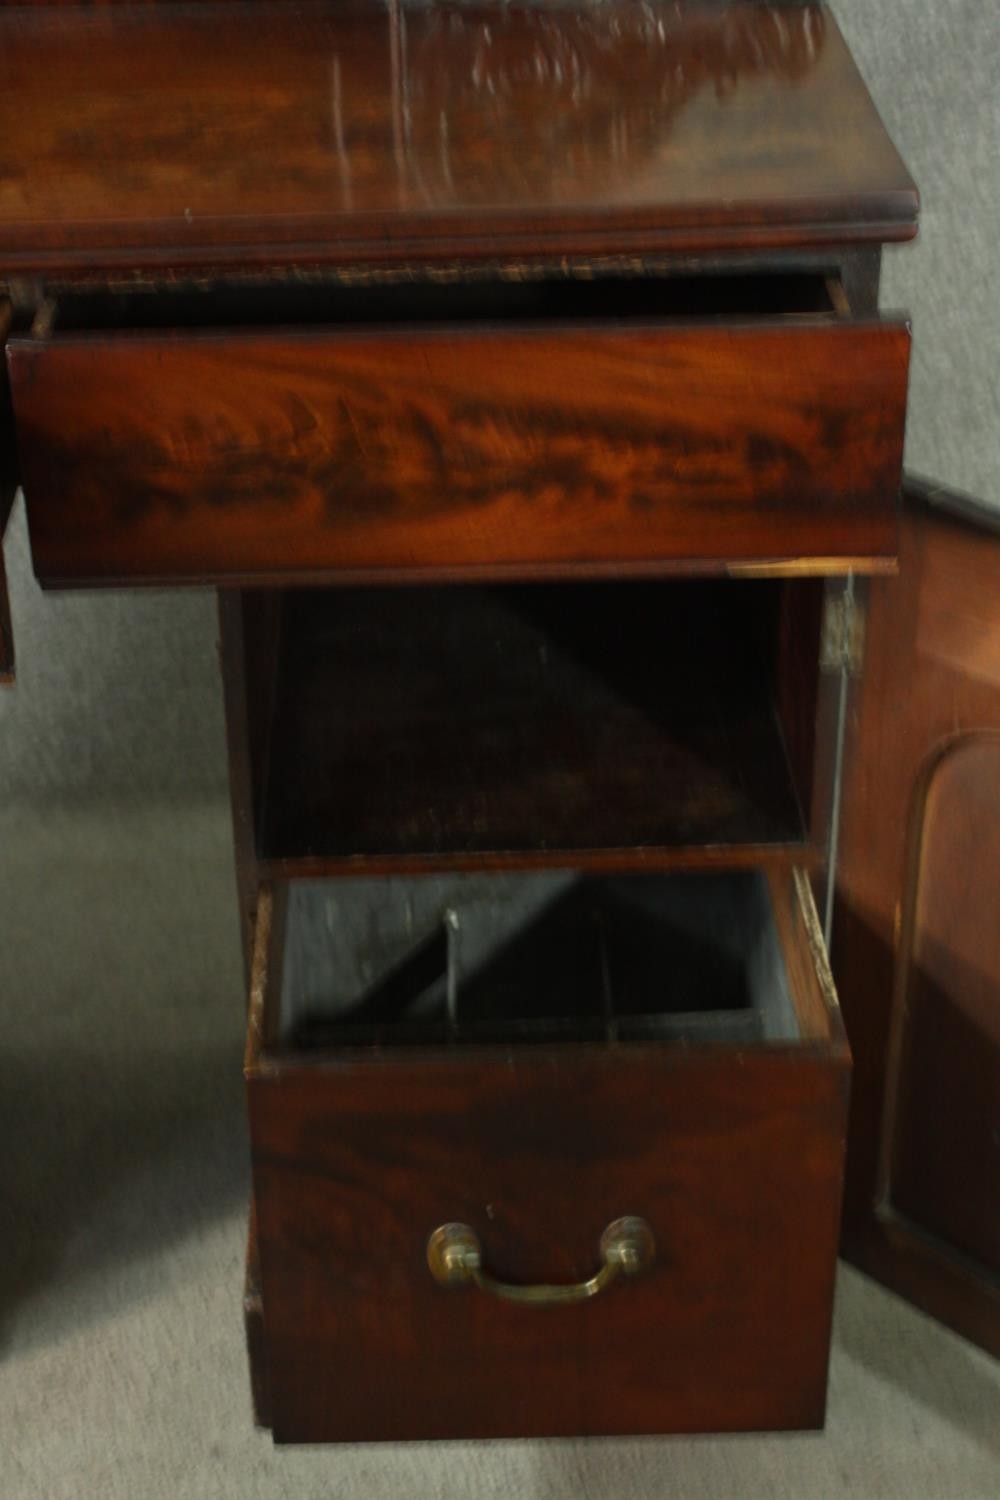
(409, 131)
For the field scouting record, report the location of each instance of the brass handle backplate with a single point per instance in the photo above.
(454, 1256)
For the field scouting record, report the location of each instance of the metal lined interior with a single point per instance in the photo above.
(554, 956)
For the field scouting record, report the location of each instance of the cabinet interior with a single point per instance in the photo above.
(426, 728)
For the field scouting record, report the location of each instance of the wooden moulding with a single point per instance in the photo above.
(915, 947)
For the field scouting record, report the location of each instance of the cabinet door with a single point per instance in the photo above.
(8, 484)
(917, 925)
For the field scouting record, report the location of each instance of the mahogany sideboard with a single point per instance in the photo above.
(515, 372)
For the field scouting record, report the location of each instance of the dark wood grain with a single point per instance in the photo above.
(915, 931)
(460, 452)
(732, 1154)
(343, 132)
(548, 724)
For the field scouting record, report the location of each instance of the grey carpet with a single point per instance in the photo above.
(123, 1176)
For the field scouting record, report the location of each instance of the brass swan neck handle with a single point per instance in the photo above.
(454, 1255)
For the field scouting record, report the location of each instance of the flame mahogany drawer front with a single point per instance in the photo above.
(645, 425)
(537, 1059)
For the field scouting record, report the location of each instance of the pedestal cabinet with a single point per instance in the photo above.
(516, 374)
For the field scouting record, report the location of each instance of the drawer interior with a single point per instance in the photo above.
(426, 726)
(549, 297)
(548, 957)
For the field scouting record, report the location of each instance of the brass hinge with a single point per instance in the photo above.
(842, 638)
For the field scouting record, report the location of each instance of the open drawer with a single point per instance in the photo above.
(491, 429)
(544, 1155)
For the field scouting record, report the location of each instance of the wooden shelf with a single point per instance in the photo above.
(601, 725)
